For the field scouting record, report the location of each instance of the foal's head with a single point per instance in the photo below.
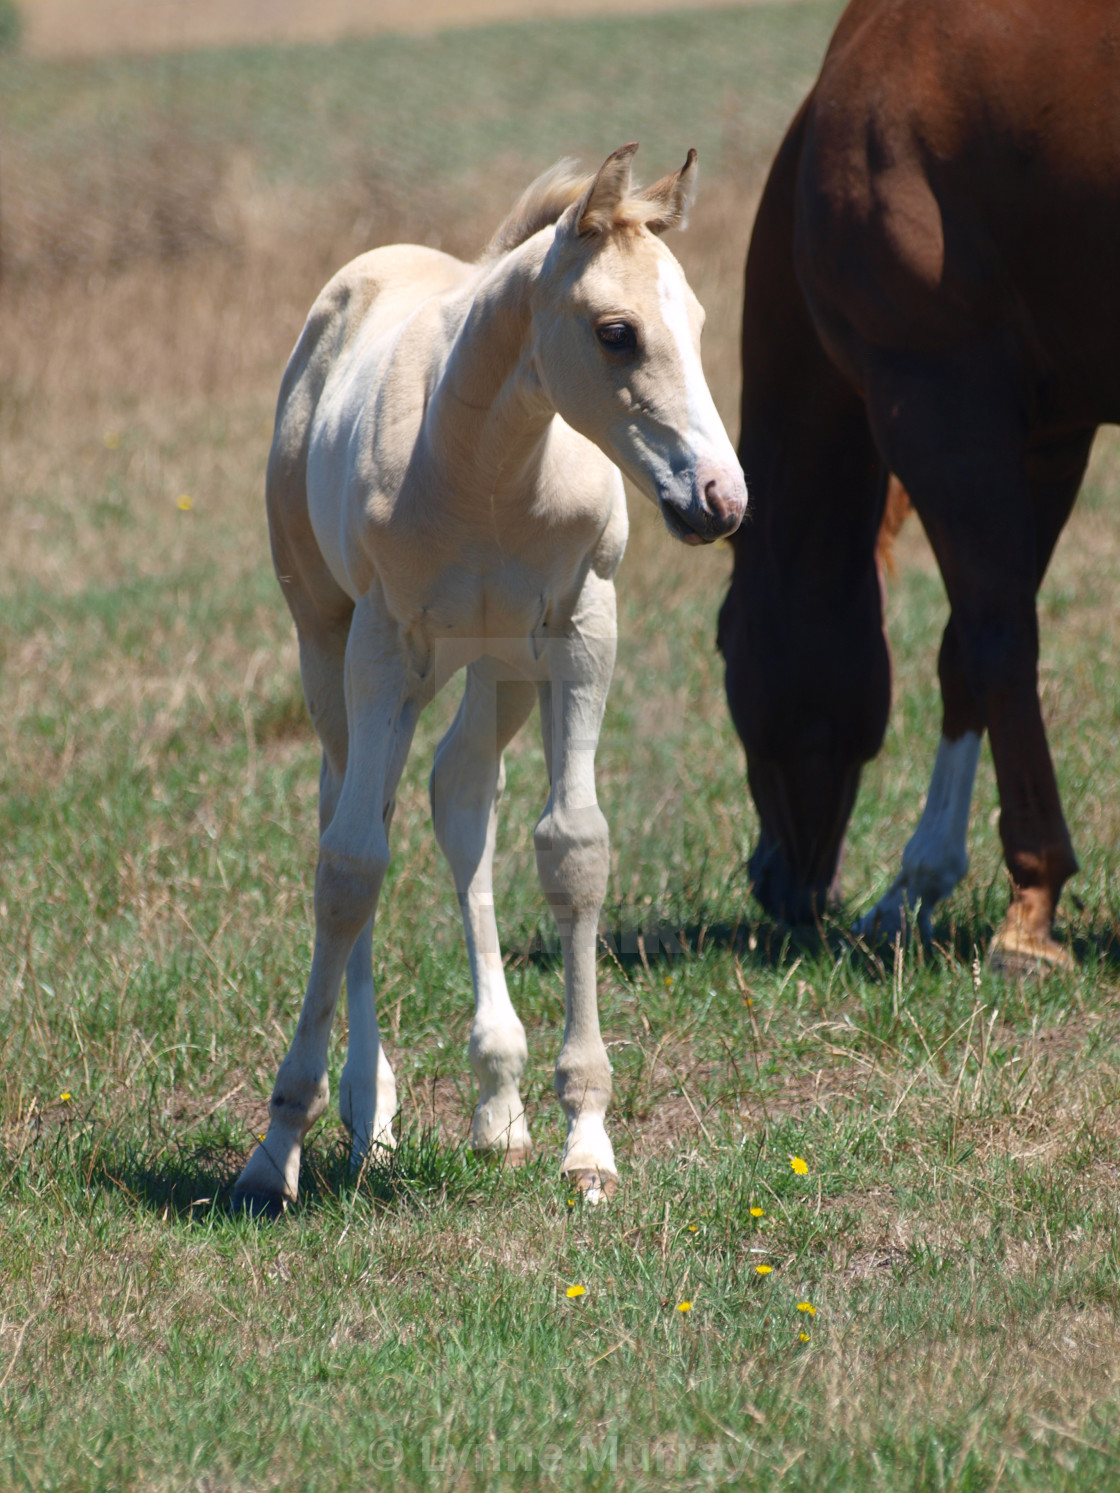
(616, 345)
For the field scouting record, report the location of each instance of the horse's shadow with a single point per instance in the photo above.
(188, 1179)
(191, 1179)
(759, 943)
(659, 941)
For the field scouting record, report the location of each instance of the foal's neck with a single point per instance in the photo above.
(488, 416)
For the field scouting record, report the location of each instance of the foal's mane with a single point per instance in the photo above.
(544, 200)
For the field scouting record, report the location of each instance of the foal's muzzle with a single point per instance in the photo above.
(708, 507)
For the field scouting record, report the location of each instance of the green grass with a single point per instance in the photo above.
(956, 1228)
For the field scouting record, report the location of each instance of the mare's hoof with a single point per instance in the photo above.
(886, 925)
(1016, 954)
(594, 1183)
(268, 1206)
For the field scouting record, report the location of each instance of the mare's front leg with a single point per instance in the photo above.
(383, 699)
(466, 784)
(572, 846)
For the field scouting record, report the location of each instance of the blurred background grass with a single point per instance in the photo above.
(109, 160)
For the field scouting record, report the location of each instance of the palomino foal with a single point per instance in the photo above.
(442, 493)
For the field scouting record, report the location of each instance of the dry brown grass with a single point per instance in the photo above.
(215, 320)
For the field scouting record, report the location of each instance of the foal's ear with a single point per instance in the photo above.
(595, 211)
(672, 197)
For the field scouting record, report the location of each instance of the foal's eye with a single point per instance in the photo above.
(617, 336)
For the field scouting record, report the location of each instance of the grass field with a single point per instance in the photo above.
(955, 1227)
(85, 28)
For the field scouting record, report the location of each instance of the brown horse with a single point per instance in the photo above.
(933, 289)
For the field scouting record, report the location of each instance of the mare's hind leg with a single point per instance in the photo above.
(383, 698)
(572, 845)
(466, 784)
(936, 857)
(953, 432)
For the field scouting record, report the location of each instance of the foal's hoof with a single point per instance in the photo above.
(594, 1184)
(1016, 954)
(499, 1156)
(267, 1206)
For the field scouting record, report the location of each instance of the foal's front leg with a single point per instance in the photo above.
(572, 846)
(383, 700)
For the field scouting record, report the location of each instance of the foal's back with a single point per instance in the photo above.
(357, 324)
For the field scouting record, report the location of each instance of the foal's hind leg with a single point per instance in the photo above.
(367, 1094)
(467, 781)
(367, 1099)
(383, 699)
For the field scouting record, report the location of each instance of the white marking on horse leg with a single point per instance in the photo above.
(367, 1093)
(936, 856)
(572, 845)
(466, 784)
(382, 704)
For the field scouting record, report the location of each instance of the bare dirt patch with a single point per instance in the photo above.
(90, 28)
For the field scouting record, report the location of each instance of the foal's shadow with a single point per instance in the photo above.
(192, 1179)
(189, 1179)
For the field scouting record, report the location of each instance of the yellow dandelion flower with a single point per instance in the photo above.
(807, 1306)
(571, 1202)
(260, 1137)
(684, 1306)
(802, 1337)
(764, 1269)
(64, 1097)
(799, 1165)
(184, 502)
(758, 1212)
(694, 1228)
(574, 1291)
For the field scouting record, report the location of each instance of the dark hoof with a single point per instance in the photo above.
(267, 1206)
(594, 1186)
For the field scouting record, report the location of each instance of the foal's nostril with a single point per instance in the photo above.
(716, 500)
(723, 501)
